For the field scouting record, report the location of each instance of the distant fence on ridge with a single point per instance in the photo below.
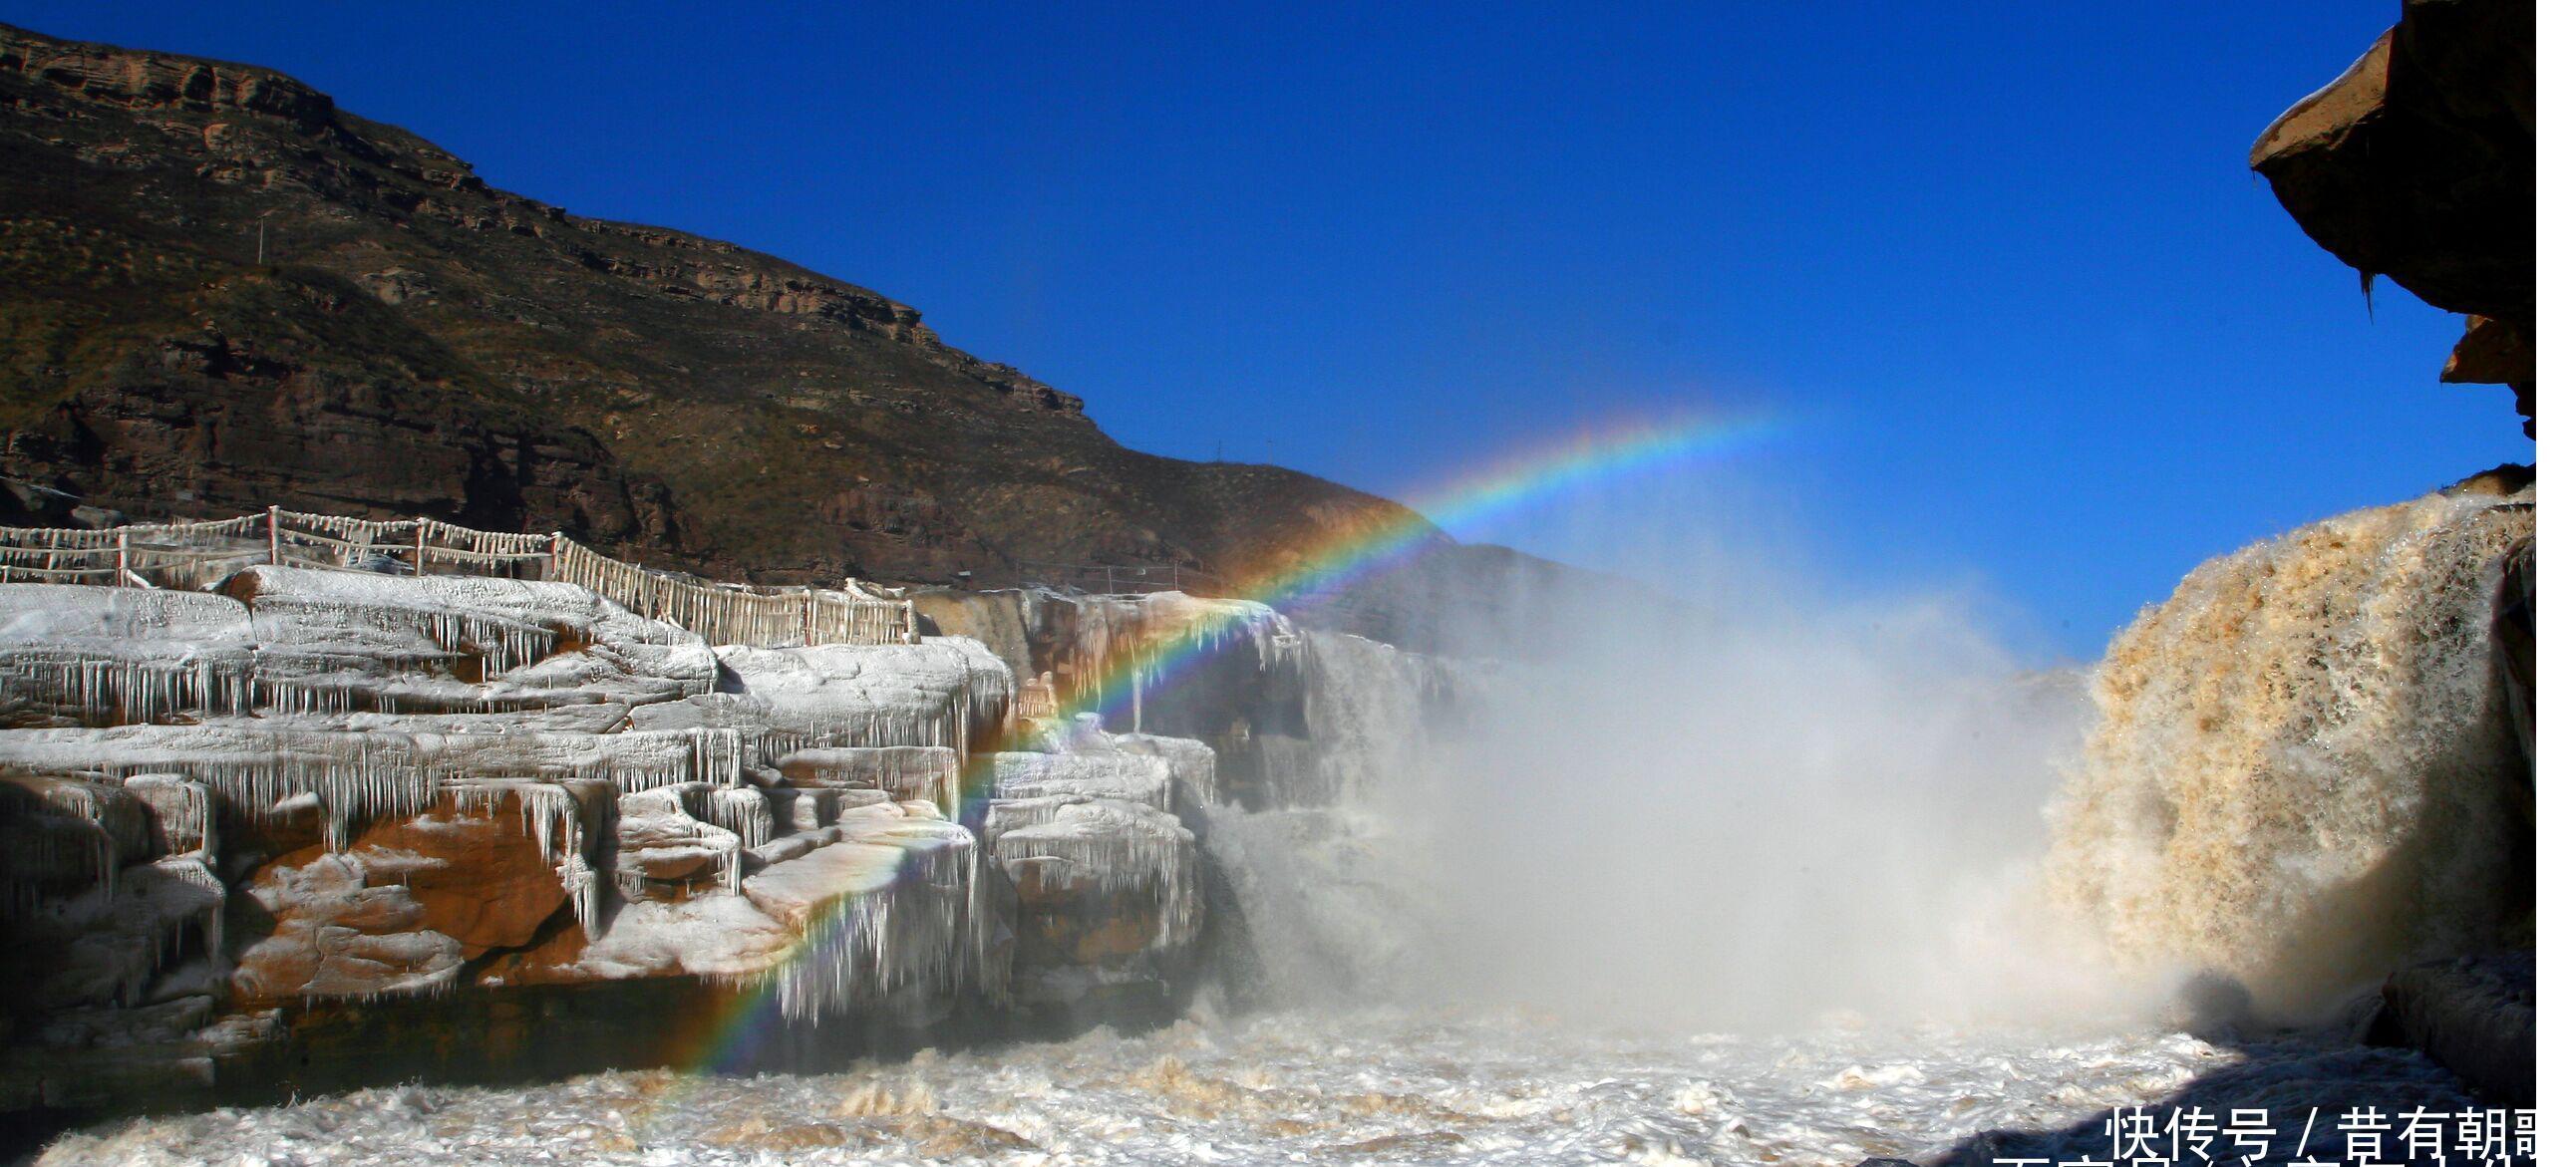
(194, 554)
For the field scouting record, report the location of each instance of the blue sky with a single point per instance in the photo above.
(2037, 329)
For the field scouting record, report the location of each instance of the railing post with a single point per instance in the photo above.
(120, 557)
(272, 538)
(419, 546)
(554, 555)
(808, 614)
(911, 624)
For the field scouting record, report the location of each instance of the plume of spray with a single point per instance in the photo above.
(1744, 796)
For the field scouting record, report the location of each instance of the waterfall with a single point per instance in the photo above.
(2303, 771)
(1320, 900)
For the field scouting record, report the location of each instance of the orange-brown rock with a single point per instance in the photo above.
(492, 887)
(402, 909)
(2496, 352)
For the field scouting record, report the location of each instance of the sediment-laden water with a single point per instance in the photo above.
(1367, 1087)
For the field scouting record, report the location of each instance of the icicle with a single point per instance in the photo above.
(745, 812)
(195, 870)
(581, 882)
(184, 810)
(113, 818)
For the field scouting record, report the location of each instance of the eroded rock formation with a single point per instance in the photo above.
(2418, 164)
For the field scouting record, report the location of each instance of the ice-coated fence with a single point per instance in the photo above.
(764, 617)
(195, 554)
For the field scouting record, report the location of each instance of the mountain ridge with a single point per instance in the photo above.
(420, 342)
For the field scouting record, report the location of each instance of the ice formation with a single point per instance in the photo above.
(944, 691)
(123, 654)
(1108, 773)
(561, 817)
(746, 813)
(360, 776)
(191, 871)
(1096, 821)
(900, 905)
(903, 772)
(2301, 772)
(1189, 763)
(332, 638)
(497, 625)
(1128, 640)
(782, 815)
(76, 835)
(182, 812)
(659, 835)
(295, 640)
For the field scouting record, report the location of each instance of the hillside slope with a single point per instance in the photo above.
(421, 343)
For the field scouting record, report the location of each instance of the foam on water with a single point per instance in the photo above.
(1380, 1086)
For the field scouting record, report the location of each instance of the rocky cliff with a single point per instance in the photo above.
(412, 341)
(2418, 164)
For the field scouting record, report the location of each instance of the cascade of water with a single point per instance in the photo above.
(2302, 772)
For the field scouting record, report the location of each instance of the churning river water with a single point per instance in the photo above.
(1315, 1087)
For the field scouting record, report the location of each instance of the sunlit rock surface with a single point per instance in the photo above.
(2419, 163)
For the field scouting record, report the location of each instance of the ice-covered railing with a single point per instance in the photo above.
(191, 555)
(735, 614)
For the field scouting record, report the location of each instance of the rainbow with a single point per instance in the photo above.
(1517, 484)
(1507, 486)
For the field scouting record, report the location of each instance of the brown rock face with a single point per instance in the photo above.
(493, 888)
(2418, 164)
(2493, 352)
(417, 342)
(409, 901)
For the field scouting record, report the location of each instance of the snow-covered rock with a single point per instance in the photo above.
(1107, 878)
(227, 812)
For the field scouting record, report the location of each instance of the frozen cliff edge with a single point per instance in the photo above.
(233, 819)
(307, 827)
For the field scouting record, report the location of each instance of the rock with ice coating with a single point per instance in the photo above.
(903, 772)
(944, 691)
(1107, 878)
(1190, 763)
(333, 787)
(665, 851)
(99, 656)
(460, 641)
(901, 913)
